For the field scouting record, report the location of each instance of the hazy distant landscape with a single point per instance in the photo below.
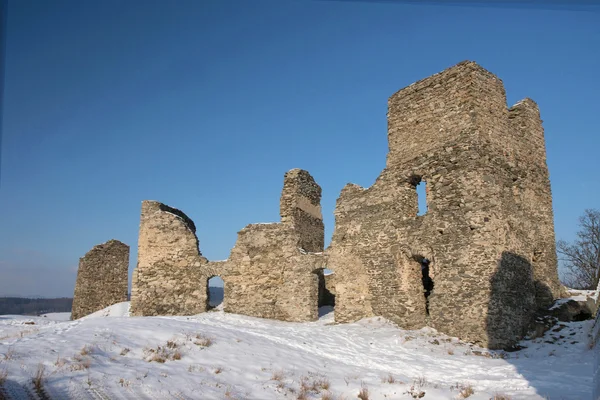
(25, 306)
(36, 306)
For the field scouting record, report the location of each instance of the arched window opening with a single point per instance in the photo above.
(215, 292)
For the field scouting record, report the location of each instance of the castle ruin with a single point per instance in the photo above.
(476, 265)
(101, 278)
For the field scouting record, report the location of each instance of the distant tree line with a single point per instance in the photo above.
(23, 306)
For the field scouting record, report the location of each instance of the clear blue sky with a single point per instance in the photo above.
(204, 105)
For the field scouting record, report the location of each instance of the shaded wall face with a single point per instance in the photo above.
(512, 298)
(102, 278)
(168, 277)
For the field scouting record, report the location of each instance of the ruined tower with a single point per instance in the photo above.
(487, 238)
(101, 278)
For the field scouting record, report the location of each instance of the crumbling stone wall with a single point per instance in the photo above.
(102, 278)
(488, 232)
(272, 272)
(273, 268)
(170, 268)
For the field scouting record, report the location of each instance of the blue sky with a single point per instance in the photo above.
(204, 105)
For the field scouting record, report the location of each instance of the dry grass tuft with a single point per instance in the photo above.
(203, 340)
(388, 379)
(327, 396)
(81, 363)
(60, 362)
(278, 376)
(39, 378)
(363, 394)
(218, 370)
(500, 397)
(3, 376)
(86, 350)
(162, 354)
(320, 384)
(466, 391)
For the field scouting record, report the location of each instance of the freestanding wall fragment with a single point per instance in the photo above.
(274, 268)
(167, 279)
(102, 278)
(486, 242)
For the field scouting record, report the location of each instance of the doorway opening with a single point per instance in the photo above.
(215, 293)
(326, 299)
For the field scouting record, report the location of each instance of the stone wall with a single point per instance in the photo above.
(273, 268)
(488, 232)
(168, 276)
(272, 272)
(102, 278)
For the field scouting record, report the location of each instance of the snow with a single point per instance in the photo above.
(577, 295)
(105, 355)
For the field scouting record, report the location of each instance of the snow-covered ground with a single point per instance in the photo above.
(215, 355)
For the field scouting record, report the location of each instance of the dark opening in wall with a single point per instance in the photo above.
(215, 292)
(326, 300)
(427, 282)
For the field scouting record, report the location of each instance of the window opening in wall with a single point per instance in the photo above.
(427, 282)
(422, 197)
(215, 291)
(326, 299)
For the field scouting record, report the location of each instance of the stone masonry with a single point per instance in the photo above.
(272, 272)
(101, 278)
(477, 264)
(167, 278)
(488, 233)
(274, 268)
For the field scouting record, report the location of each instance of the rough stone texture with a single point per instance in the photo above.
(273, 270)
(102, 278)
(488, 231)
(167, 279)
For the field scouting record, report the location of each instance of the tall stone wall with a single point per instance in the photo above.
(170, 269)
(102, 278)
(273, 268)
(489, 247)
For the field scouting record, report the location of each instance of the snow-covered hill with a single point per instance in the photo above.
(109, 355)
